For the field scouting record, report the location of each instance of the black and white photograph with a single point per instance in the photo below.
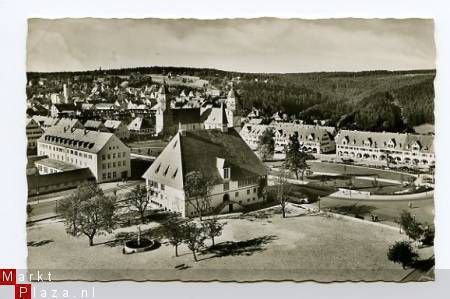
(243, 150)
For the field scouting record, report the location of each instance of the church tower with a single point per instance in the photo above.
(163, 115)
(231, 100)
(231, 103)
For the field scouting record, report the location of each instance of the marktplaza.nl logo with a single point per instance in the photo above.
(20, 284)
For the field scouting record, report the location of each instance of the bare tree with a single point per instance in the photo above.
(282, 189)
(138, 200)
(194, 237)
(174, 231)
(213, 228)
(197, 187)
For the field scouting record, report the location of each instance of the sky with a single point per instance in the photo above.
(265, 45)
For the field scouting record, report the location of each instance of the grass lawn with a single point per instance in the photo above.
(387, 211)
(257, 246)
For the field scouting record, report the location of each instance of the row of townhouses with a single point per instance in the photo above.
(371, 148)
(312, 138)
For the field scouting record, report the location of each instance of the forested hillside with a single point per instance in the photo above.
(375, 100)
(390, 101)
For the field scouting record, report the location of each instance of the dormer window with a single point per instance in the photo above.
(223, 168)
(416, 146)
(226, 173)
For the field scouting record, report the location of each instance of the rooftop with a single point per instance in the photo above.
(198, 151)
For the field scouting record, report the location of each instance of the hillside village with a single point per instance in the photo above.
(193, 147)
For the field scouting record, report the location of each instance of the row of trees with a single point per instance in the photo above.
(88, 211)
(181, 231)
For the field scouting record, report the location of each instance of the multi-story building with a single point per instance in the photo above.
(33, 131)
(63, 110)
(118, 128)
(236, 173)
(401, 149)
(312, 138)
(95, 125)
(45, 122)
(67, 124)
(103, 153)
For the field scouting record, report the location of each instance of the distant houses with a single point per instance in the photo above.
(141, 127)
(95, 125)
(235, 172)
(118, 128)
(63, 110)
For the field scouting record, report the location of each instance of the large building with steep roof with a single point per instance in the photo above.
(103, 153)
(402, 149)
(221, 155)
(312, 138)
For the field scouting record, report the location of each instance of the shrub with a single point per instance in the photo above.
(402, 253)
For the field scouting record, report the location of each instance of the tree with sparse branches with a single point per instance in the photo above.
(213, 228)
(282, 188)
(403, 253)
(194, 237)
(173, 229)
(138, 200)
(197, 187)
(266, 144)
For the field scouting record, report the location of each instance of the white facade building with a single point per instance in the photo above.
(103, 153)
(221, 155)
(409, 150)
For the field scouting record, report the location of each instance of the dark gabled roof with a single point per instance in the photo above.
(198, 151)
(400, 141)
(65, 107)
(79, 139)
(186, 115)
(40, 181)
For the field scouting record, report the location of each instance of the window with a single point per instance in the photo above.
(119, 164)
(163, 187)
(226, 173)
(226, 186)
(109, 156)
(236, 194)
(103, 157)
(248, 191)
(254, 190)
(124, 163)
(114, 156)
(114, 174)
